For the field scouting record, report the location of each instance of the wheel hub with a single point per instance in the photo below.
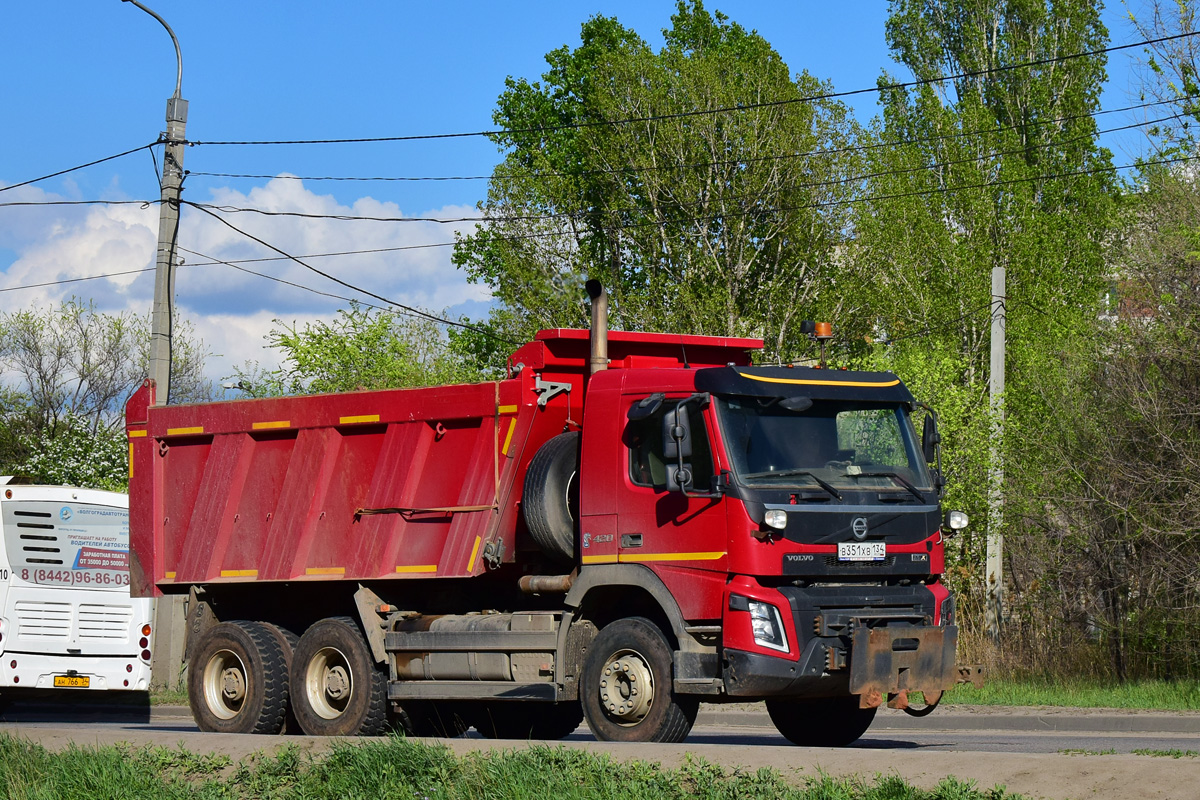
(233, 684)
(627, 687)
(337, 683)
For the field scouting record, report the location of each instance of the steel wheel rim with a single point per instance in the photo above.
(626, 687)
(329, 683)
(225, 684)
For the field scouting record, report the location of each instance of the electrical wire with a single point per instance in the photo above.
(720, 110)
(414, 311)
(78, 167)
(861, 148)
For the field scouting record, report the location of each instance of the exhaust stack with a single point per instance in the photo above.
(598, 359)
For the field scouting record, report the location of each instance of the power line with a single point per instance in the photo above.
(720, 110)
(79, 167)
(414, 311)
(699, 165)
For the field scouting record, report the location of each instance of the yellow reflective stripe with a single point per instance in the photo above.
(474, 552)
(418, 568)
(325, 571)
(136, 434)
(185, 431)
(599, 559)
(512, 425)
(239, 573)
(360, 418)
(796, 381)
(671, 556)
(279, 423)
(170, 576)
(131, 462)
(506, 410)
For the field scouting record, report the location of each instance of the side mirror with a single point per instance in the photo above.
(930, 439)
(677, 433)
(646, 407)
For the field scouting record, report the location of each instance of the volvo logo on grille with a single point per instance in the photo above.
(859, 528)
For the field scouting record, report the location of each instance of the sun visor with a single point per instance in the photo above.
(819, 384)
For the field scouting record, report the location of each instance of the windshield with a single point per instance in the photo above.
(839, 444)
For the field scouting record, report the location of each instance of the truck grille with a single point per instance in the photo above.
(40, 620)
(832, 563)
(107, 622)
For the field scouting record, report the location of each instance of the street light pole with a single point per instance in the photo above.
(171, 187)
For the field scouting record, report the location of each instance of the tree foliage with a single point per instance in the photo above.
(720, 223)
(362, 348)
(69, 369)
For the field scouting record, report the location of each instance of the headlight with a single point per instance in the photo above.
(767, 626)
(956, 520)
(775, 518)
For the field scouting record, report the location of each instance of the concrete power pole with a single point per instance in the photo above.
(995, 539)
(170, 612)
(161, 316)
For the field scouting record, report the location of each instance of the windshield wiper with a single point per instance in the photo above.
(783, 473)
(900, 479)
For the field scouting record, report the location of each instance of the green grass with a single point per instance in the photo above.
(396, 768)
(1146, 695)
(1173, 753)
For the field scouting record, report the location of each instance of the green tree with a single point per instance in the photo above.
(721, 223)
(71, 368)
(364, 348)
(989, 164)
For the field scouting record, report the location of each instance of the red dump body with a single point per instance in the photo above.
(393, 484)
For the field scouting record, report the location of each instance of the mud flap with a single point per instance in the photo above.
(899, 659)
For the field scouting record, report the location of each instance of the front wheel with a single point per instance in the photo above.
(628, 692)
(336, 688)
(821, 722)
(236, 680)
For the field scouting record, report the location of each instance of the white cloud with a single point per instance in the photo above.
(230, 309)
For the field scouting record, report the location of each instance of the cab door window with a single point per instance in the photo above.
(647, 463)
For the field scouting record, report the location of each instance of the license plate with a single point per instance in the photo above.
(862, 551)
(72, 681)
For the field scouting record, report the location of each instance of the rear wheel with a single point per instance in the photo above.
(528, 720)
(628, 692)
(287, 645)
(337, 690)
(821, 722)
(236, 680)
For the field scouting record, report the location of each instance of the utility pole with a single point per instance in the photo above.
(995, 539)
(162, 312)
(170, 612)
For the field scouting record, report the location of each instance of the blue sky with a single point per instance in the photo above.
(85, 79)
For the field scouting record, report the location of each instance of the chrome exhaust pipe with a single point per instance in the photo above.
(598, 359)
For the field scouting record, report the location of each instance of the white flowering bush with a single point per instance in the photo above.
(76, 455)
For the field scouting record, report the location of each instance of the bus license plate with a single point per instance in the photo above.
(862, 551)
(72, 681)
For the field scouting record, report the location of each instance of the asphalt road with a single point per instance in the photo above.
(1040, 753)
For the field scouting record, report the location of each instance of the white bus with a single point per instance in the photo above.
(66, 618)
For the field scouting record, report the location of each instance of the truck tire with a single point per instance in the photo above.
(337, 690)
(287, 644)
(821, 722)
(513, 720)
(628, 690)
(236, 680)
(550, 500)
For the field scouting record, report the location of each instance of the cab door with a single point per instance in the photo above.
(681, 537)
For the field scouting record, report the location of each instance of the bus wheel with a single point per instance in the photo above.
(627, 686)
(236, 681)
(337, 690)
(517, 720)
(821, 722)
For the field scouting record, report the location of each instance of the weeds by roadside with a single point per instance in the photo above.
(399, 768)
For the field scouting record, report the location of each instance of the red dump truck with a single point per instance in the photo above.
(627, 525)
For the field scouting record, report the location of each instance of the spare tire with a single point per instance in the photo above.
(551, 497)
